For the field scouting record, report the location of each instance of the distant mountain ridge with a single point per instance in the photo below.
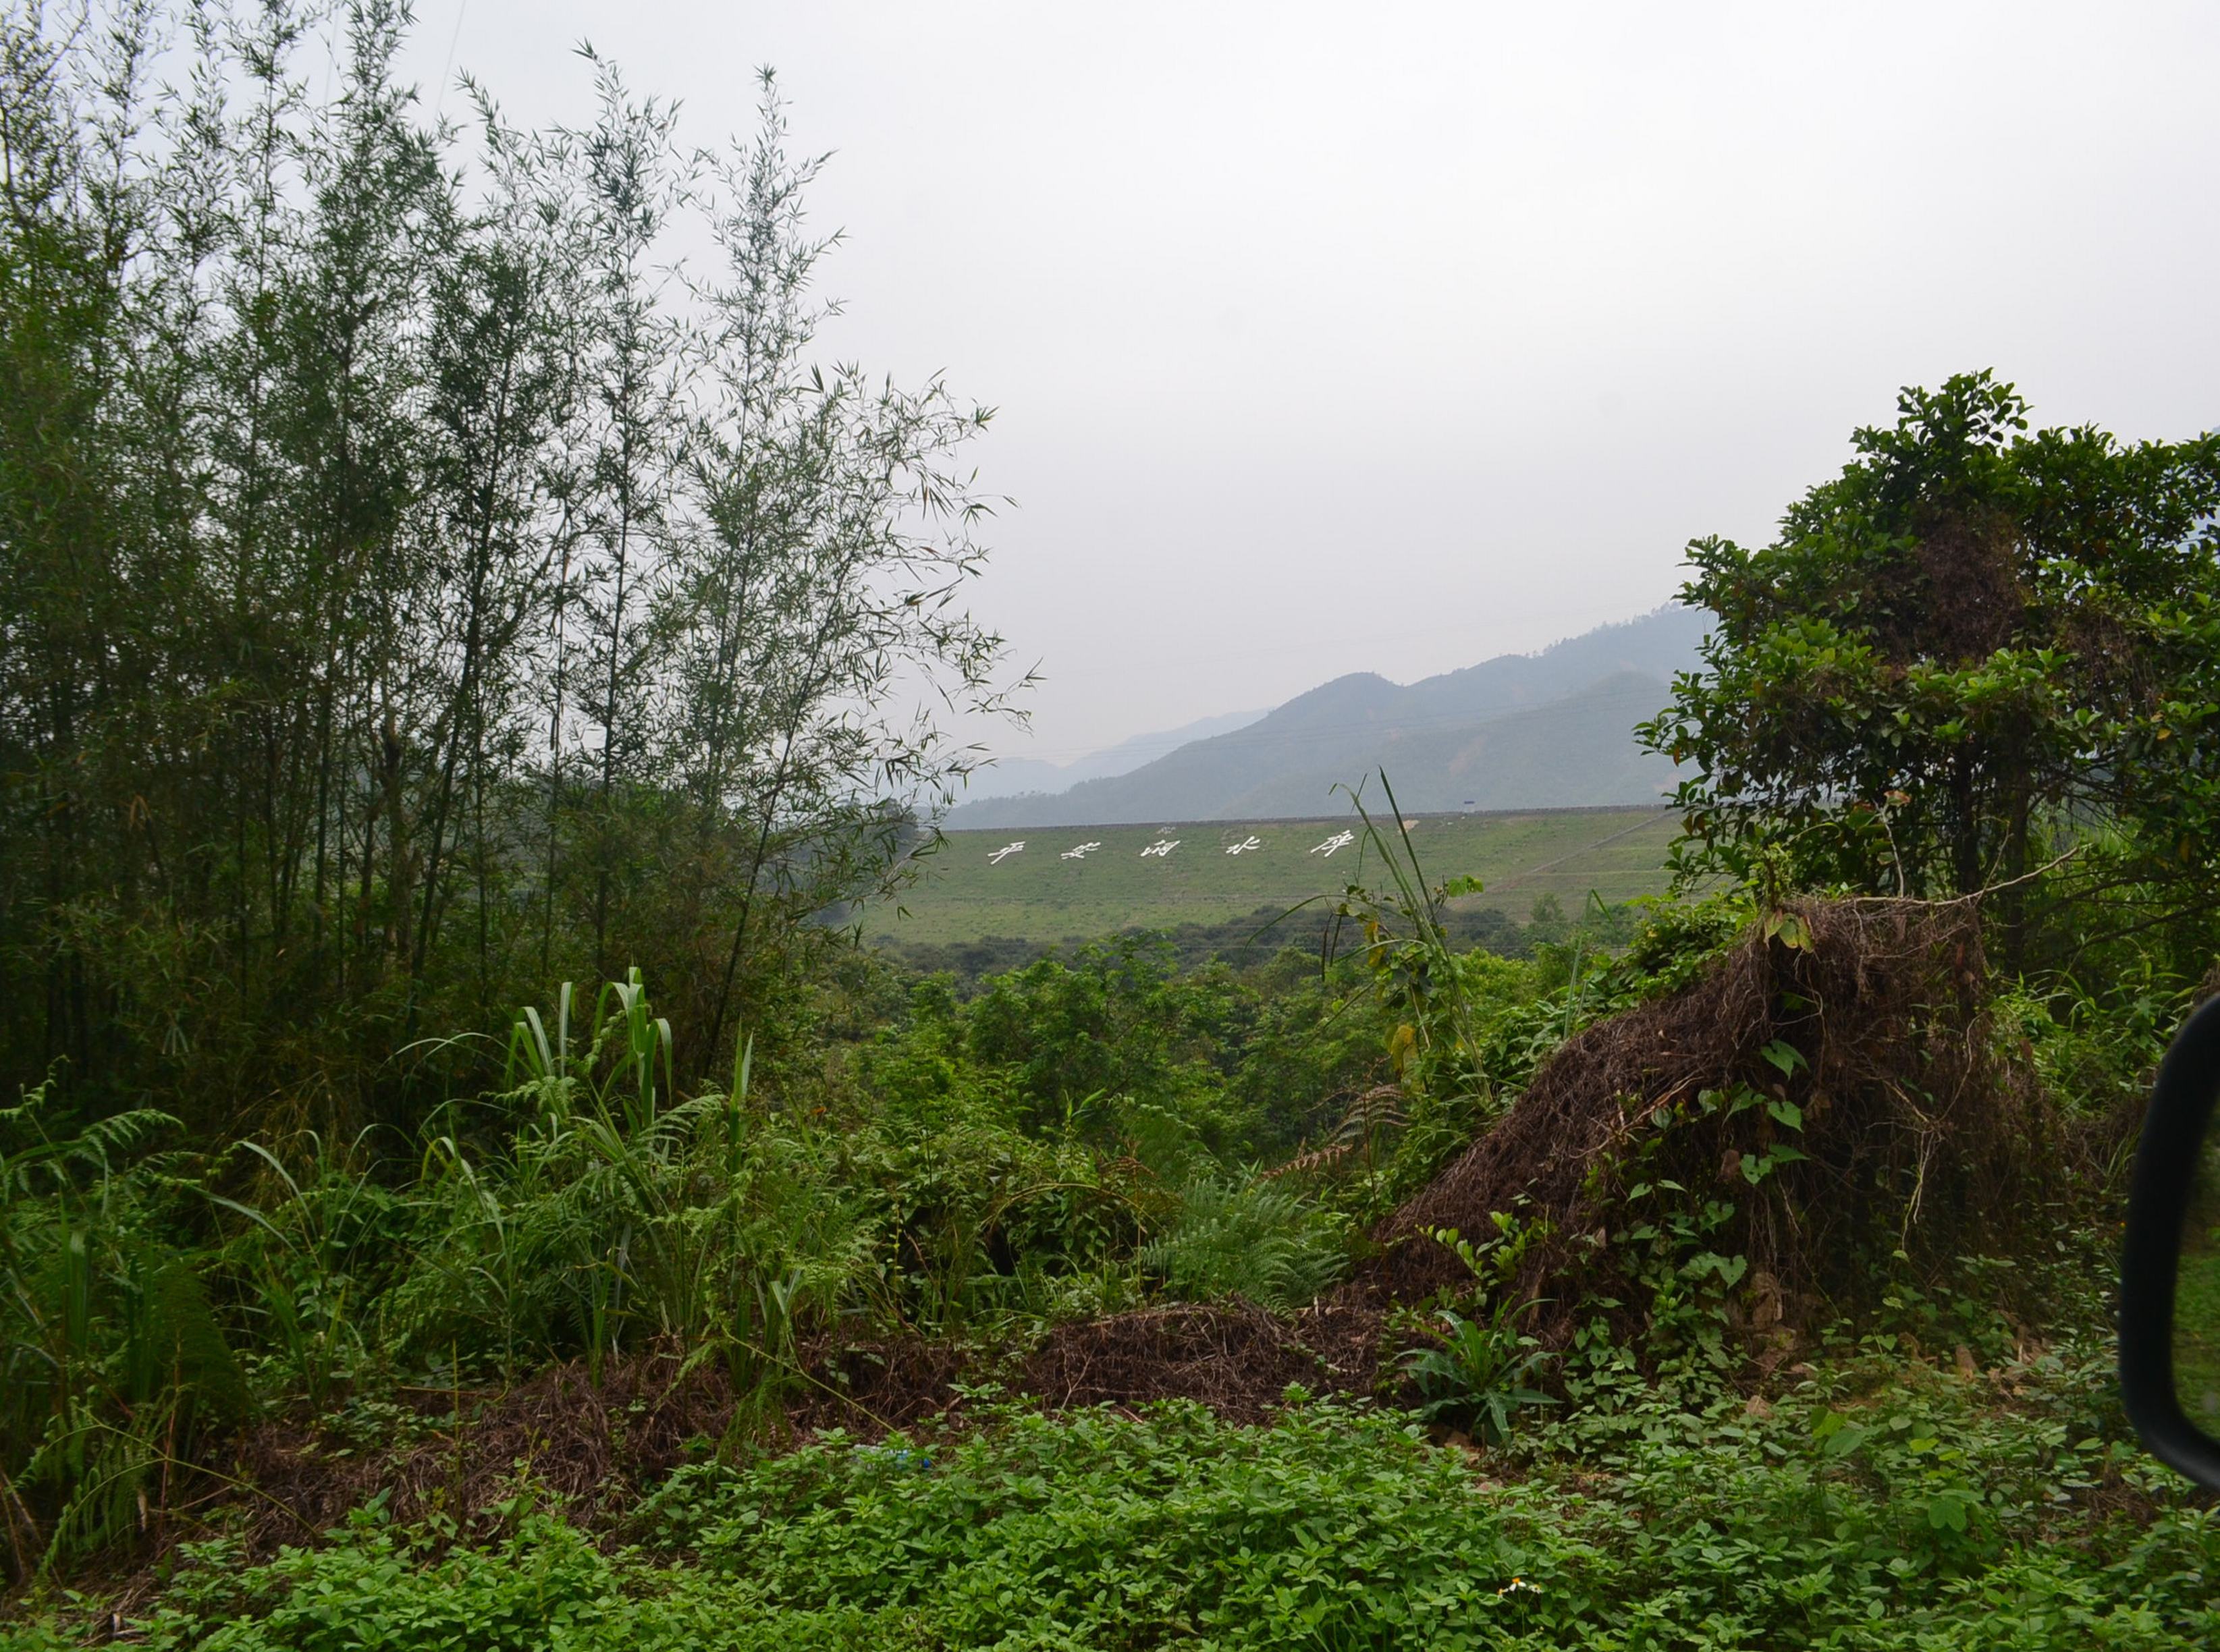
(1011, 775)
(1547, 730)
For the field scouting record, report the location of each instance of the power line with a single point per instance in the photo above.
(447, 69)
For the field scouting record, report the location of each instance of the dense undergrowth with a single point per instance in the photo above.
(842, 1320)
(1686, 1464)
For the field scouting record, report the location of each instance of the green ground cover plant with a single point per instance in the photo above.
(1878, 1503)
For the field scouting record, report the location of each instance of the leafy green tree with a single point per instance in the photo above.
(1973, 645)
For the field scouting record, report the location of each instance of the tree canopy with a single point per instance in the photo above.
(1978, 644)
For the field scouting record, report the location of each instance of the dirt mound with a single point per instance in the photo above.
(594, 1444)
(1834, 1078)
(1237, 1359)
(597, 1445)
(870, 1388)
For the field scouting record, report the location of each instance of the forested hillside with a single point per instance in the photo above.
(460, 1191)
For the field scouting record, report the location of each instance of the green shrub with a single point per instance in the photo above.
(1480, 1372)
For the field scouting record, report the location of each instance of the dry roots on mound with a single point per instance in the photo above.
(1916, 1132)
(1236, 1358)
(592, 1443)
(597, 1443)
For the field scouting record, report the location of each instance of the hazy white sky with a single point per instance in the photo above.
(1330, 337)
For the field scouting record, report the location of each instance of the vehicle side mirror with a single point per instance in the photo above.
(2170, 1264)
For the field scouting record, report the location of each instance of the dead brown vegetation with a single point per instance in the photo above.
(1236, 1358)
(594, 1443)
(1959, 592)
(1917, 1131)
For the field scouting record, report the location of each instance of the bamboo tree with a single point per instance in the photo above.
(501, 387)
(830, 534)
(51, 500)
(629, 180)
(396, 559)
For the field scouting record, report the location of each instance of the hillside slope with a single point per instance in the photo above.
(1521, 731)
(1574, 752)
